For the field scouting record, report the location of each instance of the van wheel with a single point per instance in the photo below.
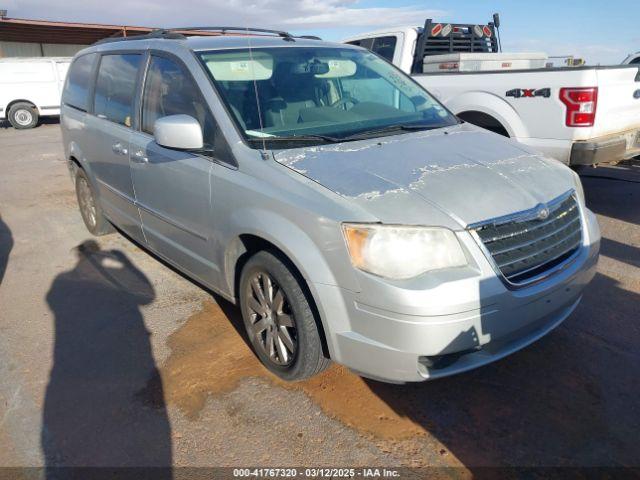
(90, 209)
(279, 320)
(23, 115)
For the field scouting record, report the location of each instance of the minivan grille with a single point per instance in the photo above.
(528, 245)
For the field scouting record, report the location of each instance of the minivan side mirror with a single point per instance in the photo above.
(180, 132)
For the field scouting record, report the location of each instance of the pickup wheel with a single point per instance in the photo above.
(279, 321)
(23, 115)
(90, 208)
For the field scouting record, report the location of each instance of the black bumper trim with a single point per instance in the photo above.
(603, 151)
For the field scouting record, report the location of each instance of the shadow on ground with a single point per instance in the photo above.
(6, 245)
(614, 191)
(100, 408)
(4, 124)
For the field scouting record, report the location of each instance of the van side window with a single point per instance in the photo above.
(116, 87)
(76, 93)
(170, 90)
(385, 47)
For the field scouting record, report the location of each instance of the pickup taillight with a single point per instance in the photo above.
(581, 105)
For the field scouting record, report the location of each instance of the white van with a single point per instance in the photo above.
(30, 88)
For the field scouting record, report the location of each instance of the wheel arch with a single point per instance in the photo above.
(20, 100)
(245, 246)
(491, 106)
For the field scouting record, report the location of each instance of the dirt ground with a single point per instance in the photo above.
(110, 358)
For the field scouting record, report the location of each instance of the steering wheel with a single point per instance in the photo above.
(344, 101)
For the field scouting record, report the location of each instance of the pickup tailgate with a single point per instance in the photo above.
(618, 105)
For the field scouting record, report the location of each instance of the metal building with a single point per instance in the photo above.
(40, 38)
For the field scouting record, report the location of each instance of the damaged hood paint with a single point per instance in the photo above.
(452, 177)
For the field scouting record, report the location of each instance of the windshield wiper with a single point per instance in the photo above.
(296, 138)
(391, 128)
(349, 138)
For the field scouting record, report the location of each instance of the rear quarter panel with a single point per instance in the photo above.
(525, 117)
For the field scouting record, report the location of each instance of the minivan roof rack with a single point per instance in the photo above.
(178, 33)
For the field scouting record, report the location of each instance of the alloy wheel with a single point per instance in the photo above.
(87, 203)
(272, 322)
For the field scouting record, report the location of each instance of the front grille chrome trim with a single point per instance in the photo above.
(547, 247)
(515, 234)
(548, 235)
(531, 215)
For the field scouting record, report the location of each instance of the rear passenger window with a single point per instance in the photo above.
(385, 47)
(170, 90)
(76, 93)
(116, 87)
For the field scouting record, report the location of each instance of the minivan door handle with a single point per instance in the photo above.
(139, 157)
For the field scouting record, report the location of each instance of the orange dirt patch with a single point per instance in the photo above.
(209, 357)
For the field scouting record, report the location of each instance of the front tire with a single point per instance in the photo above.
(90, 208)
(23, 115)
(279, 320)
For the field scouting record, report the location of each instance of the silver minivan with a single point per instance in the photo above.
(349, 214)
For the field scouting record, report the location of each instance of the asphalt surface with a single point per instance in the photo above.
(110, 358)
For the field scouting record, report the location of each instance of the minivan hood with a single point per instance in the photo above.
(463, 173)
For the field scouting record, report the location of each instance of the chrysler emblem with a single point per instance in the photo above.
(543, 213)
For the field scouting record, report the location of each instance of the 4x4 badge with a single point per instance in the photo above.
(529, 93)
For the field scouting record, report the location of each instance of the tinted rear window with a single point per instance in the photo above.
(116, 87)
(385, 47)
(76, 93)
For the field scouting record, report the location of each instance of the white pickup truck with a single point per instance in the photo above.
(578, 115)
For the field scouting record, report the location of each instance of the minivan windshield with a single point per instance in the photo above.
(286, 95)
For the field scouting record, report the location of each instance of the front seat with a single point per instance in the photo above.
(293, 92)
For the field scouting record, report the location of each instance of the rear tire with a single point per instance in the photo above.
(90, 208)
(22, 116)
(279, 320)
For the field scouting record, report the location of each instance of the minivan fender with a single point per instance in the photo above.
(299, 249)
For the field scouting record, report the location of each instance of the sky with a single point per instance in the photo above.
(599, 31)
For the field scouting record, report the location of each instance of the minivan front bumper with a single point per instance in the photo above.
(403, 336)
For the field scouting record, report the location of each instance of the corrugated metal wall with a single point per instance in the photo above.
(20, 49)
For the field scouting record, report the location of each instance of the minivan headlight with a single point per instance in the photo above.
(401, 252)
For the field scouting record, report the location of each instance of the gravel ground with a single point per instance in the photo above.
(110, 358)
